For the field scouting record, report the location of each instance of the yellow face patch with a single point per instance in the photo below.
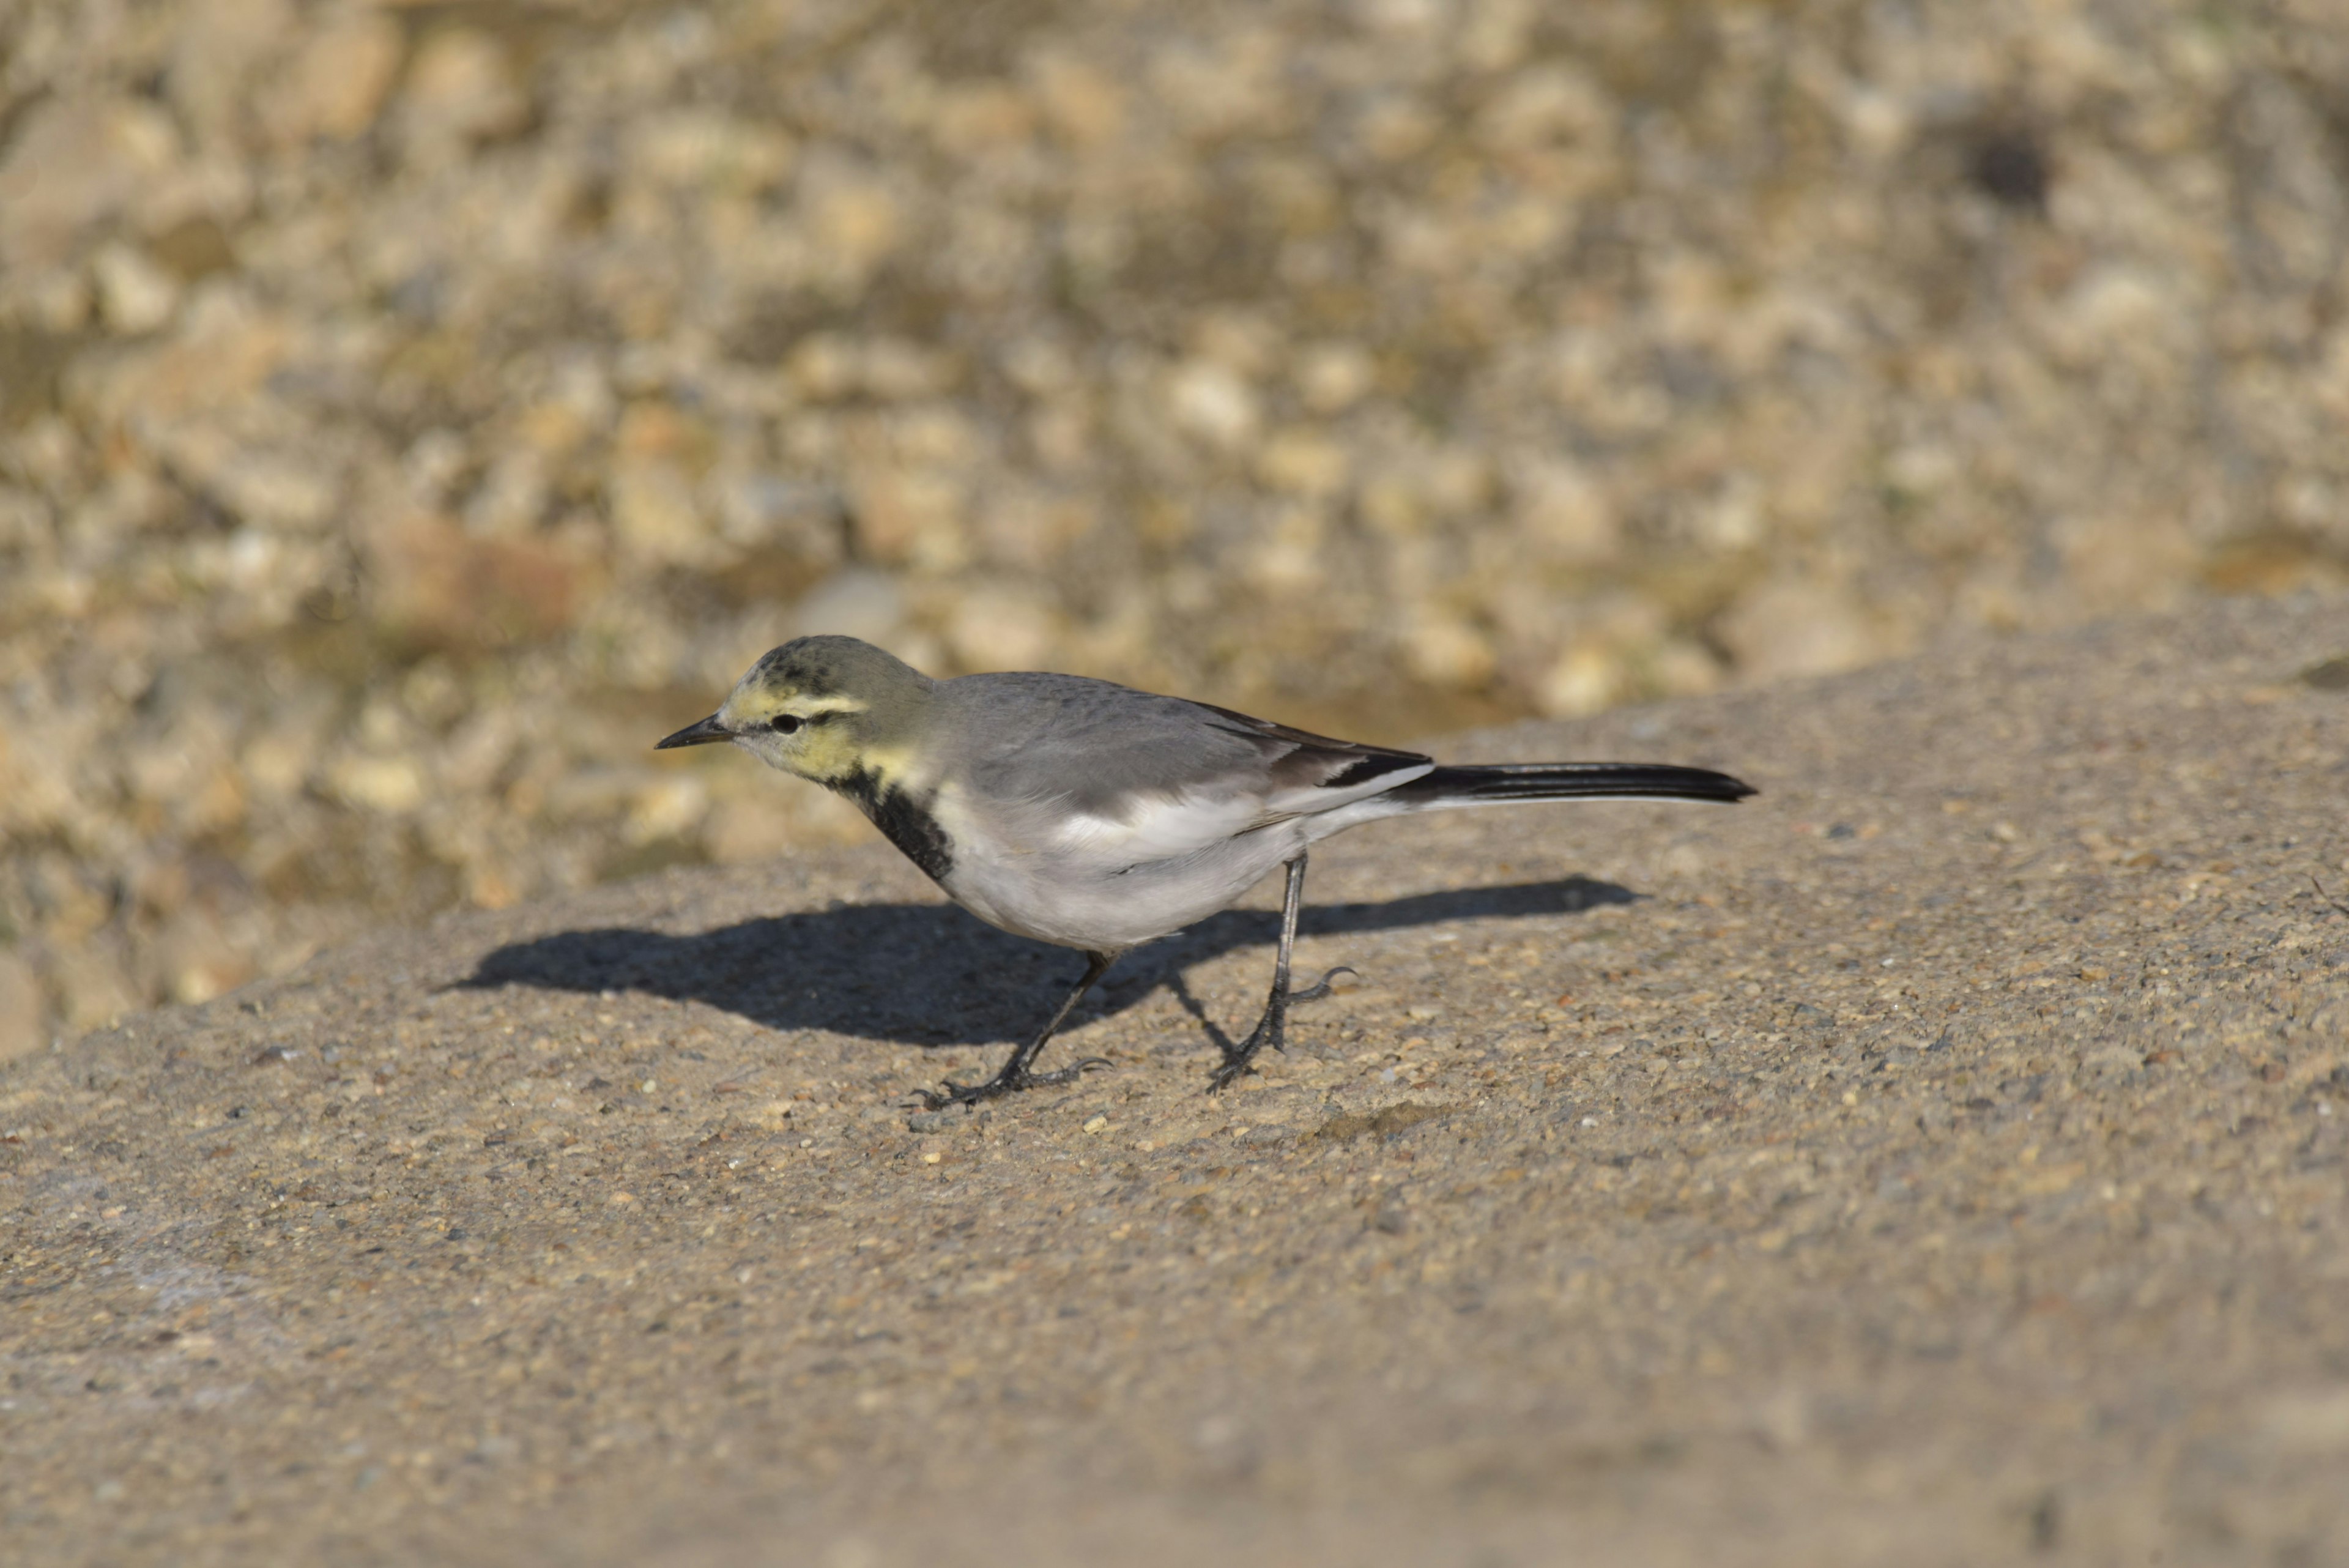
(827, 751)
(892, 767)
(827, 744)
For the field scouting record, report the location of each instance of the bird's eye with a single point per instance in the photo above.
(784, 723)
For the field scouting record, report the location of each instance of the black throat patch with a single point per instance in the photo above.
(904, 820)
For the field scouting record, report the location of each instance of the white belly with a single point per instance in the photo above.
(1093, 903)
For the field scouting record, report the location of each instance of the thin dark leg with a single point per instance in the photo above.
(1015, 1075)
(1269, 1031)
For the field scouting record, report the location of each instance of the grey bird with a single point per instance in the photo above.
(1098, 817)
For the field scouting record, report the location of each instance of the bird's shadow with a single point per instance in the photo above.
(930, 974)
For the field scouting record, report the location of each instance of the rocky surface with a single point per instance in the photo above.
(408, 409)
(1943, 1156)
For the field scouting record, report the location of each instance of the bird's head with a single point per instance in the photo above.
(821, 707)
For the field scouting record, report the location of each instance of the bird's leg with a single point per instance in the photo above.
(1015, 1075)
(1269, 1028)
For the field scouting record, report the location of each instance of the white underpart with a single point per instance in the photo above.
(1162, 826)
(1155, 827)
(1106, 882)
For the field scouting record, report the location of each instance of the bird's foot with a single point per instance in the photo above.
(1240, 1060)
(1320, 988)
(1002, 1084)
(1271, 1030)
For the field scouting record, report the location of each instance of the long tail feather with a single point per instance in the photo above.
(1499, 782)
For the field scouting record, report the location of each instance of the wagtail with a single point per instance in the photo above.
(1099, 817)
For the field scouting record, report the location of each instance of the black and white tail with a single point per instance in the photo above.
(1500, 784)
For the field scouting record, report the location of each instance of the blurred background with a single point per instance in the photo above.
(408, 412)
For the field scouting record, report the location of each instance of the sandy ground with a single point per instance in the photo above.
(1938, 1159)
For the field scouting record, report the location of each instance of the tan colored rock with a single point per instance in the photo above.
(859, 603)
(702, 147)
(1586, 679)
(21, 1011)
(1544, 105)
(1562, 511)
(2141, 560)
(221, 48)
(1334, 377)
(75, 160)
(92, 989)
(36, 784)
(392, 786)
(1002, 627)
(277, 762)
(856, 222)
(1681, 668)
(178, 759)
(1032, 530)
(668, 808)
(1392, 128)
(1082, 104)
(975, 117)
(431, 579)
(1795, 626)
(223, 353)
(1446, 650)
(908, 518)
(460, 88)
(744, 828)
(1301, 462)
(761, 815)
(758, 509)
(513, 495)
(1391, 504)
(656, 519)
(334, 86)
(1063, 435)
(897, 369)
(199, 961)
(1289, 556)
(134, 294)
(1213, 403)
(56, 301)
(1248, 342)
(285, 489)
(824, 366)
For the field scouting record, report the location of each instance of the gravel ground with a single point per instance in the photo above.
(1943, 1158)
(405, 407)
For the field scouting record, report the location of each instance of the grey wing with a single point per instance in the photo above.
(1311, 774)
(1088, 767)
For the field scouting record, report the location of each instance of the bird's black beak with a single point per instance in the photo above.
(701, 734)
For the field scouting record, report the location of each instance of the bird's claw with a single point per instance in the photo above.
(1004, 1083)
(1240, 1060)
(1238, 1064)
(1320, 988)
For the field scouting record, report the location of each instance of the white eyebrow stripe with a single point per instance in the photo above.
(809, 706)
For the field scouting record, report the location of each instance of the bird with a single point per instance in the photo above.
(1099, 817)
